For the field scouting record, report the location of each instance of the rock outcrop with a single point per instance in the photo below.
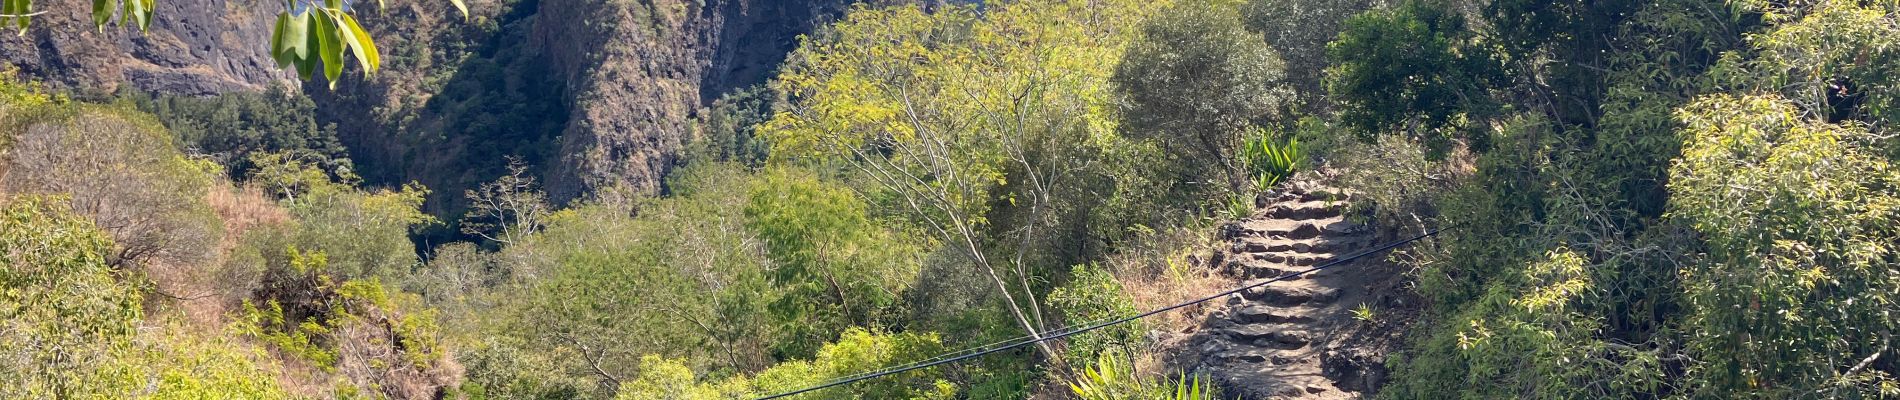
(638, 71)
(606, 88)
(194, 47)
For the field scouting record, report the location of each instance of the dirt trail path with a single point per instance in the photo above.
(1296, 339)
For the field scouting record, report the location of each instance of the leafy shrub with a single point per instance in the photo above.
(364, 233)
(63, 310)
(1193, 81)
(175, 361)
(859, 351)
(1795, 293)
(499, 368)
(377, 340)
(663, 379)
(835, 265)
(122, 172)
(1112, 378)
(1413, 69)
(1267, 163)
(1093, 295)
(684, 280)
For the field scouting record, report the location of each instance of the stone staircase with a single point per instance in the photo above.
(1273, 341)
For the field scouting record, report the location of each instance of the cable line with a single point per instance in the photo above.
(1073, 330)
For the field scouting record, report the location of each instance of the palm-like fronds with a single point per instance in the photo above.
(1267, 163)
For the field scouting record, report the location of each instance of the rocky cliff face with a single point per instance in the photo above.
(639, 71)
(194, 47)
(598, 94)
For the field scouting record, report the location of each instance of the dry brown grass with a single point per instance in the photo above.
(1165, 268)
(1169, 267)
(243, 209)
(206, 293)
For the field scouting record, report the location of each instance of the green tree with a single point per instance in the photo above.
(1795, 294)
(836, 266)
(63, 310)
(1299, 30)
(365, 233)
(683, 280)
(1414, 69)
(1194, 82)
(1835, 59)
(230, 127)
(962, 120)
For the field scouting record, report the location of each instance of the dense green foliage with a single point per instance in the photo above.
(73, 329)
(1667, 199)
(1797, 289)
(1193, 81)
(1644, 217)
(1111, 378)
(64, 312)
(229, 128)
(1412, 68)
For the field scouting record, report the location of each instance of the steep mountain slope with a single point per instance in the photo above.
(194, 47)
(598, 94)
(595, 93)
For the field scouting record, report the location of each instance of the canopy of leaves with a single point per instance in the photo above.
(64, 310)
(1194, 81)
(1414, 69)
(1796, 294)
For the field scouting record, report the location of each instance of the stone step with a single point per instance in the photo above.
(1284, 229)
(1324, 244)
(1343, 227)
(1261, 314)
(1283, 296)
(1302, 210)
(1297, 390)
(1293, 259)
(1270, 336)
(1258, 356)
(1324, 195)
(1262, 271)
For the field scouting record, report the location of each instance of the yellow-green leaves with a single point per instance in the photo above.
(459, 6)
(1795, 283)
(138, 11)
(17, 12)
(322, 34)
(306, 25)
(359, 42)
(20, 12)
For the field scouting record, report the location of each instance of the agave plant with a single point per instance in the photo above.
(1113, 379)
(1268, 163)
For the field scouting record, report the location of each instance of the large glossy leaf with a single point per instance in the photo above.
(277, 40)
(101, 13)
(307, 65)
(360, 42)
(461, 6)
(293, 39)
(329, 45)
(139, 12)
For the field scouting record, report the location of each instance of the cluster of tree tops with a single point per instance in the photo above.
(1651, 199)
